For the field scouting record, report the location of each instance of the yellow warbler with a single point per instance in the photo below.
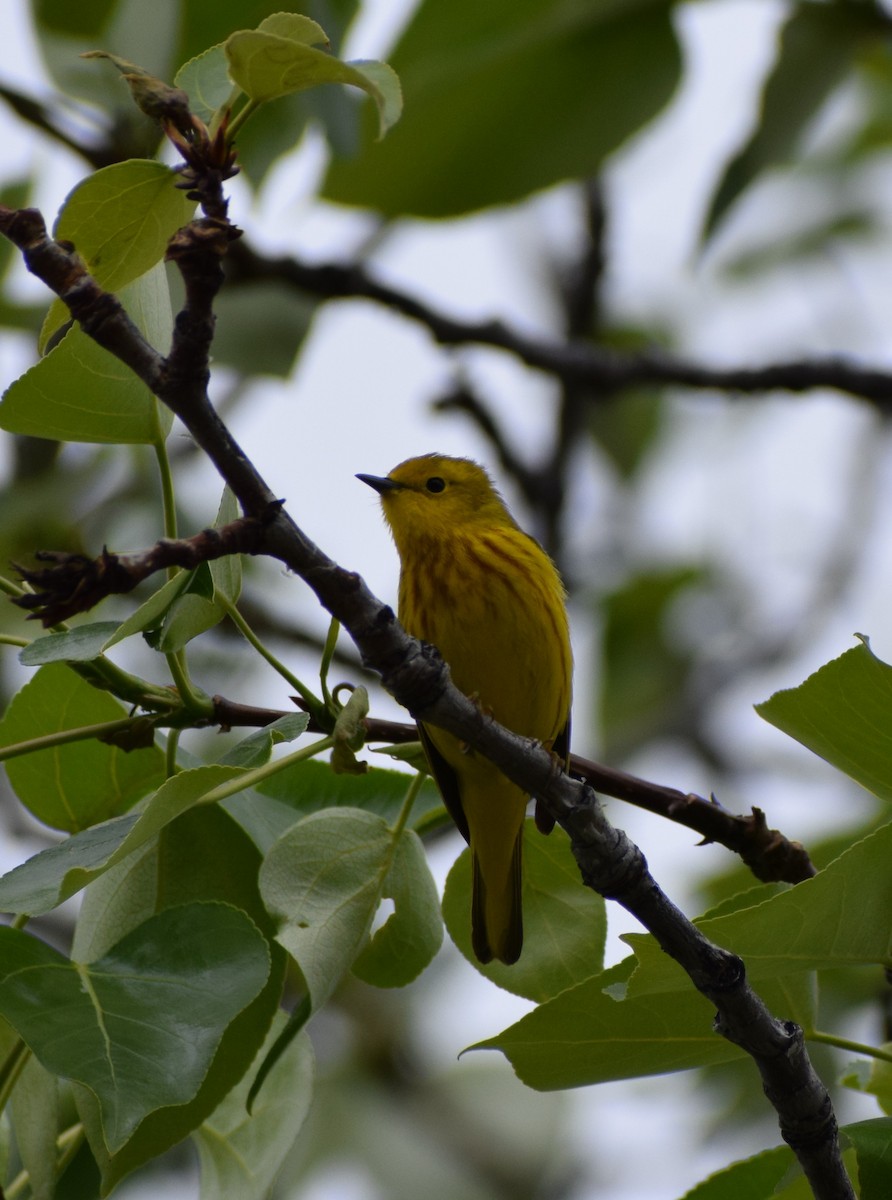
(491, 601)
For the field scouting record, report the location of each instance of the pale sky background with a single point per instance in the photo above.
(367, 409)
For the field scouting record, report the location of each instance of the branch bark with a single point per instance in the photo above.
(419, 680)
(605, 371)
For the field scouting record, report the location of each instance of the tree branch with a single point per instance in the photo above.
(577, 362)
(419, 680)
(74, 583)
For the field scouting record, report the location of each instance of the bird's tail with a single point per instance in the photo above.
(496, 914)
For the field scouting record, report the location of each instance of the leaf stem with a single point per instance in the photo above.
(62, 737)
(406, 808)
(830, 1039)
(67, 1143)
(240, 118)
(7, 639)
(11, 589)
(170, 753)
(315, 706)
(176, 661)
(12, 1068)
(331, 642)
(232, 786)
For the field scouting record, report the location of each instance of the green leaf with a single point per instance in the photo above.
(53, 875)
(267, 64)
(120, 220)
(410, 937)
(584, 1036)
(753, 1178)
(81, 783)
(839, 918)
(817, 48)
(873, 1144)
(82, 393)
(256, 748)
(226, 572)
(506, 98)
(205, 79)
(36, 1119)
(140, 1026)
(194, 607)
(192, 612)
(309, 787)
(296, 28)
(151, 612)
(323, 881)
(44, 881)
(240, 1152)
(643, 671)
(163, 873)
(598, 1031)
(842, 713)
(82, 644)
(261, 326)
(873, 1076)
(564, 923)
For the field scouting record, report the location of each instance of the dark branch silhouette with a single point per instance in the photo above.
(605, 370)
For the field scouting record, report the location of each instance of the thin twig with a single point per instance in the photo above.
(608, 370)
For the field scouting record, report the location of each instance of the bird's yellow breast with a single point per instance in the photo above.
(492, 603)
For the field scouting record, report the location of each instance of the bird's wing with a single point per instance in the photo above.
(447, 781)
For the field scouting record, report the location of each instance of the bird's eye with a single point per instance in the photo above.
(435, 484)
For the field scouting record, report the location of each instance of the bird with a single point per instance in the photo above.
(492, 602)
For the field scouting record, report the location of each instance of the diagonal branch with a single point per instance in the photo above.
(419, 680)
(573, 362)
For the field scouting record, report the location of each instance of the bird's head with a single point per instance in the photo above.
(437, 496)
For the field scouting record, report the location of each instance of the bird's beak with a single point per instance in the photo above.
(381, 483)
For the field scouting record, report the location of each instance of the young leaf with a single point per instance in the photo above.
(565, 923)
(151, 612)
(410, 937)
(241, 1152)
(842, 713)
(81, 393)
(76, 784)
(226, 572)
(120, 220)
(205, 79)
(140, 1026)
(267, 65)
(76, 645)
(323, 880)
(256, 748)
